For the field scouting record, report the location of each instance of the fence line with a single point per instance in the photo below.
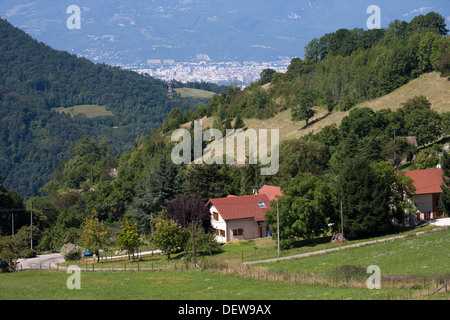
(413, 286)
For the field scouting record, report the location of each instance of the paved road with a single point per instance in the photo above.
(441, 222)
(43, 261)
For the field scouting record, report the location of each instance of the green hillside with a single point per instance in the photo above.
(336, 147)
(431, 85)
(35, 79)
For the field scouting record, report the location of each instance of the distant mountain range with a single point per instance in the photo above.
(132, 32)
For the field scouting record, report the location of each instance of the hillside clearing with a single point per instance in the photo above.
(194, 93)
(435, 88)
(89, 110)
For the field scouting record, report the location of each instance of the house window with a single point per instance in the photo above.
(222, 233)
(238, 232)
(216, 216)
(261, 204)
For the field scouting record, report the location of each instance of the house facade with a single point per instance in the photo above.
(428, 191)
(242, 217)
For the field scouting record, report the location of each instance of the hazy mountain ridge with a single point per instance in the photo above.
(134, 32)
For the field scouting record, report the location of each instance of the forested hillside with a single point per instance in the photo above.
(342, 69)
(34, 79)
(355, 161)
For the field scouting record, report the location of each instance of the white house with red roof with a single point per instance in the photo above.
(242, 217)
(428, 190)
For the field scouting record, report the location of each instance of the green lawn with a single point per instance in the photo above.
(224, 277)
(424, 255)
(168, 285)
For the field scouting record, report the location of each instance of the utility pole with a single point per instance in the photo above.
(194, 251)
(12, 222)
(278, 230)
(31, 224)
(342, 224)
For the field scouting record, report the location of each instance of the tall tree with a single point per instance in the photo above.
(95, 234)
(168, 236)
(208, 181)
(431, 21)
(444, 200)
(162, 185)
(186, 210)
(369, 201)
(128, 237)
(302, 106)
(304, 210)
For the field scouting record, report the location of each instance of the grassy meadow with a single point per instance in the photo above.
(423, 261)
(90, 110)
(194, 93)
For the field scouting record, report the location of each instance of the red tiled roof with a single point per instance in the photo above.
(271, 191)
(240, 207)
(426, 180)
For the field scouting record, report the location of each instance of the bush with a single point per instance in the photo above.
(71, 251)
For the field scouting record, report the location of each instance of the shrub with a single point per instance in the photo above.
(27, 253)
(71, 251)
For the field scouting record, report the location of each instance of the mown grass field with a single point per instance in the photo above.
(168, 285)
(194, 93)
(90, 110)
(426, 256)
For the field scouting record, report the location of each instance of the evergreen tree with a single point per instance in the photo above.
(208, 181)
(366, 193)
(444, 200)
(161, 186)
(239, 123)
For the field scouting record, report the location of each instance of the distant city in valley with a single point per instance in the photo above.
(218, 41)
(223, 73)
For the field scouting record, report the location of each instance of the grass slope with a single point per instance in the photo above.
(194, 93)
(430, 85)
(90, 110)
(162, 285)
(426, 255)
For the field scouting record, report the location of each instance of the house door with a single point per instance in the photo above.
(260, 231)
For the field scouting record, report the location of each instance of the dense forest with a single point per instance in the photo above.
(34, 79)
(356, 164)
